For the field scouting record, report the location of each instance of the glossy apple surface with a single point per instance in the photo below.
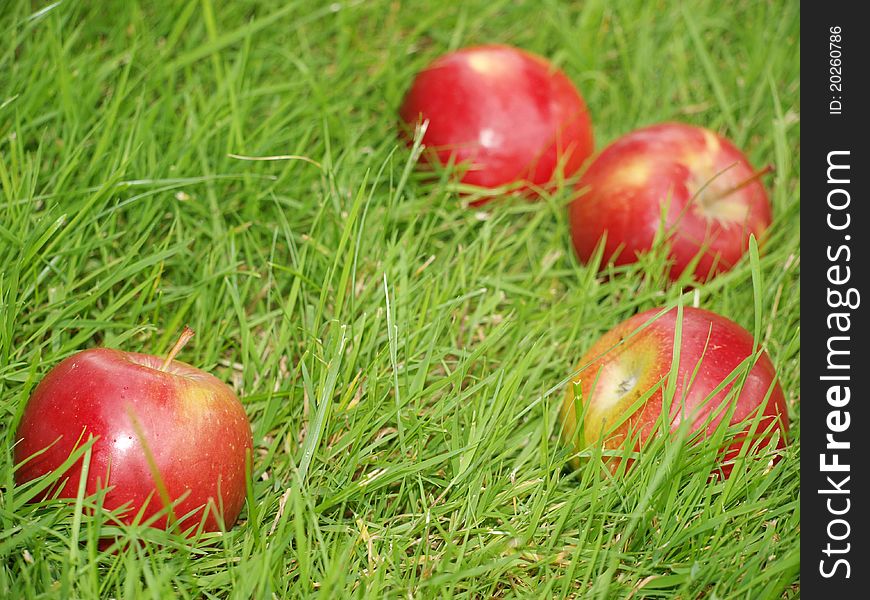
(509, 116)
(710, 196)
(627, 362)
(192, 424)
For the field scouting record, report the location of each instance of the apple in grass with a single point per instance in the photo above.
(165, 431)
(688, 182)
(622, 377)
(508, 117)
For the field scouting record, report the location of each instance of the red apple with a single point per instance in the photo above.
(630, 360)
(688, 179)
(510, 116)
(142, 409)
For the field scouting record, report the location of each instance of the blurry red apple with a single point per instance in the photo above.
(190, 423)
(508, 115)
(688, 179)
(628, 362)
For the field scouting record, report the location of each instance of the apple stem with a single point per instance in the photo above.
(185, 336)
(739, 186)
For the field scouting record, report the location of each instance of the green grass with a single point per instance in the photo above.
(402, 359)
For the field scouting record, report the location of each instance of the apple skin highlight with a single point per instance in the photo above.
(626, 363)
(688, 181)
(194, 426)
(507, 115)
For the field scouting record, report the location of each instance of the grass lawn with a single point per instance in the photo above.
(402, 358)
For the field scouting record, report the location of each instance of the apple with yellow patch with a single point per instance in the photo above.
(507, 117)
(165, 431)
(685, 182)
(622, 377)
